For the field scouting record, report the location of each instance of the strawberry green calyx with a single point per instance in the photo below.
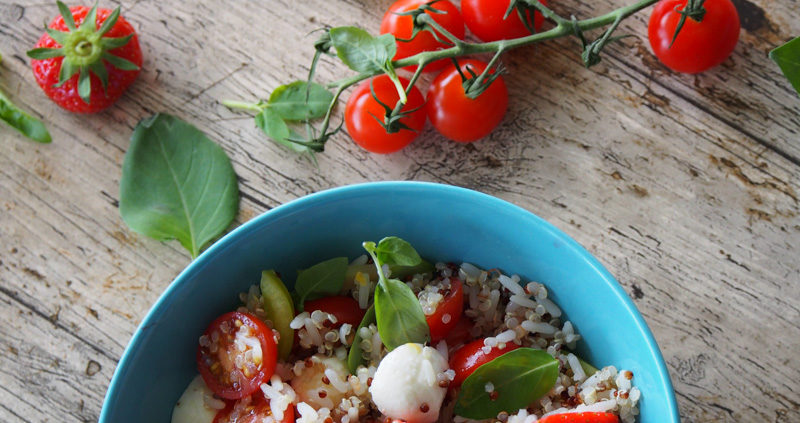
(85, 50)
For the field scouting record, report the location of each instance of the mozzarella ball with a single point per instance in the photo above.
(193, 405)
(406, 387)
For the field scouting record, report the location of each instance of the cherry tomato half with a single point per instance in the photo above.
(401, 26)
(459, 117)
(485, 19)
(253, 409)
(468, 358)
(586, 417)
(362, 111)
(345, 309)
(700, 45)
(460, 332)
(228, 371)
(449, 310)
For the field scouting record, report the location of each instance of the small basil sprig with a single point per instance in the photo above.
(26, 124)
(355, 357)
(320, 280)
(296, 102)
(177, 184)
(519, 377)
(397, 310)
(787, 57)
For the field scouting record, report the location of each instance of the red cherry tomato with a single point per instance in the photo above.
(459, 117)
(460, 332)
(485, 19)
(700, 45)
(402, 26)
(345, 309)
(362, 110)
(468, 358)
(587, 417)
(253, 409)
(231, 373)
(449, 309)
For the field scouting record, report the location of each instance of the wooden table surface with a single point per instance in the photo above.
(685, 186)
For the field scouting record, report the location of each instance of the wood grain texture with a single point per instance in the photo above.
(685, 187)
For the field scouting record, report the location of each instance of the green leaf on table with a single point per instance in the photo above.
(399, 315)
(396, 252)
(177, 184)
(362, 52)
(300, 100)
(355, 357)
(519, 377)
(276, 128)
(320, 280)
(26, 124)
(787, 57)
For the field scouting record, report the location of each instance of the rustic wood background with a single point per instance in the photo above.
(685, 187)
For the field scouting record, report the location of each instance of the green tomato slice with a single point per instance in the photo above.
(279, 308)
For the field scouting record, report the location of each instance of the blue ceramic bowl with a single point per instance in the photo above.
(444, 223)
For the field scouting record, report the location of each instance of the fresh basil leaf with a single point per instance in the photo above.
(355, 357)
(177, 184)
(277, 130)
(321, 280)
(402, 272)
(399, 315)
(26, 124)
(519, 377)
(300, 100)
(787, 57)
(362, 52)
(396, 252)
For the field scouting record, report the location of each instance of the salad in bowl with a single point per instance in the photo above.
(390, 337)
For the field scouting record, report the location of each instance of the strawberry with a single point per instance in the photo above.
(87, 58)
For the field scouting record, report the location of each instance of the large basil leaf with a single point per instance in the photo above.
(519, 377)
(787, 57)
(362, 52)
(355, 357)
(177, 184)
(320, 280)
(397, 252)
(399, 315)
(300, 100)
(26, 124)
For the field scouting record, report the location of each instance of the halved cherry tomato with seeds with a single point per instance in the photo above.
(460, 333)
(468, 358)
(237, 353)
(253, 409)
(448, 312)
(586, 417)
(345, 309)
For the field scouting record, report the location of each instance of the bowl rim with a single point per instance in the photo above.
(320, 197)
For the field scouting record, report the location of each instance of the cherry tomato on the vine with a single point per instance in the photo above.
(228, 371)
(468, 358)
(699, 45)
(363, 113)
(448, 312)
(401, 26)
(459, 117)
(345, 309)
(485, 19)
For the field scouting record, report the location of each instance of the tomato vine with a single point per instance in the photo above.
(370, 56)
